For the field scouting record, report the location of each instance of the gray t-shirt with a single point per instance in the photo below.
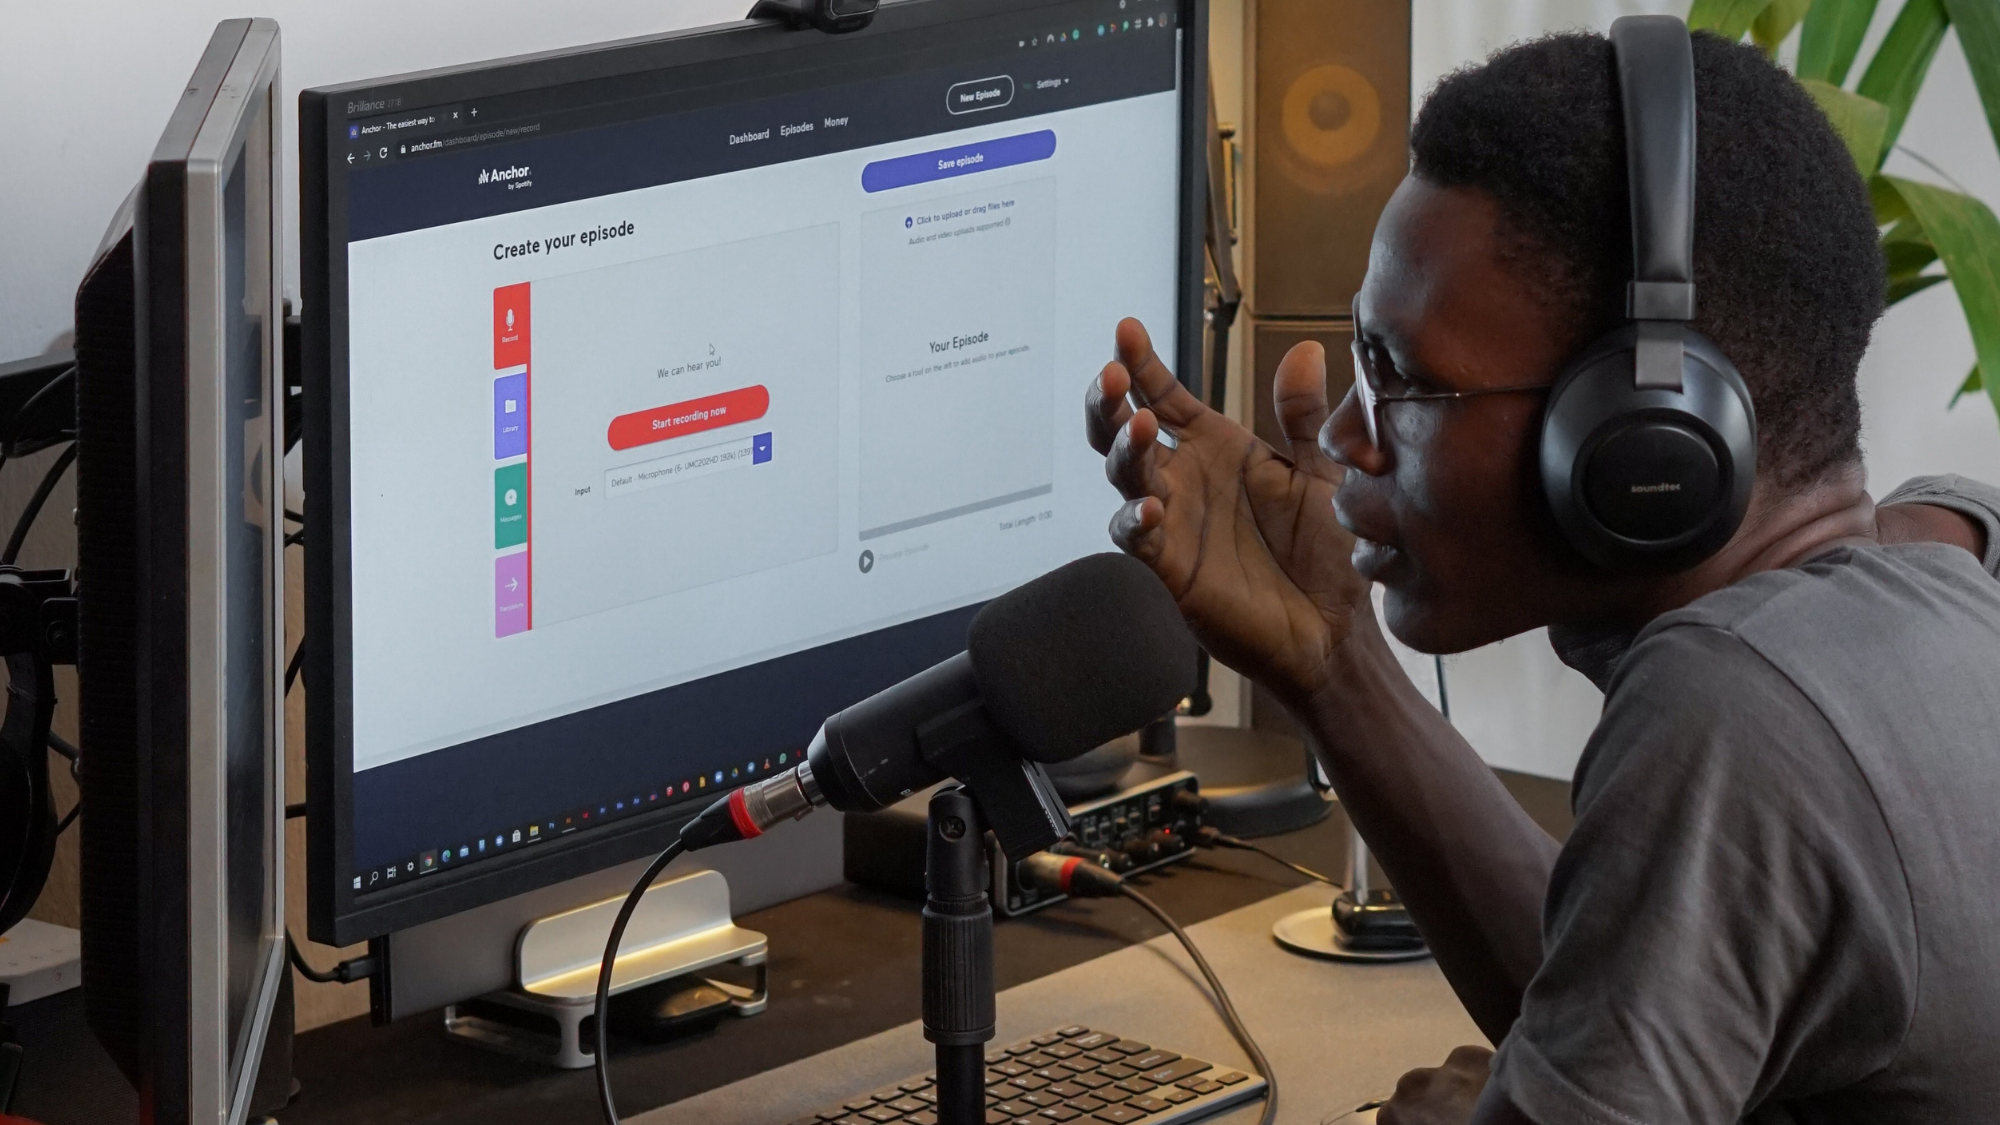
(1781, 897)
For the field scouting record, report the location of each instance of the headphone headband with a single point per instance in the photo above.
(1655, 60)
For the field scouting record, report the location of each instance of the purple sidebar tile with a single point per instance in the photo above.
(510, 416)
(510, 594)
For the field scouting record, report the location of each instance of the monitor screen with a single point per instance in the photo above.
(679, 393)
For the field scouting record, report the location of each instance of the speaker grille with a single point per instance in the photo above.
(1329, 137)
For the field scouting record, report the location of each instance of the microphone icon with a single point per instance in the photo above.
(510, 320)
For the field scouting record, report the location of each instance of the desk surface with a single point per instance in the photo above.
(844, 968)
(1336, 1034)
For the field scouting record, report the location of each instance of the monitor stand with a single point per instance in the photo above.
(1255, 781)
(681, 929)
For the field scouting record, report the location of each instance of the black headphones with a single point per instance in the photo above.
(1649, 441)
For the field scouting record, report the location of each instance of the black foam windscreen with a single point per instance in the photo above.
(1090, 651)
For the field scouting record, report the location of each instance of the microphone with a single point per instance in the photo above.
(1090, 651)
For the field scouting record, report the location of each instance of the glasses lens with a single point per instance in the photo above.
(1364, 393)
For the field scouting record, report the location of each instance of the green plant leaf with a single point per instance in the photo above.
(1775, 22)
(1978, 24)
(1897, 71)
(1859, 121)
(1972, 386)
(1832, 37)
(1727, 18)
(1967, 237)
(1907, 249)
(1909, 285)
(1887, 201)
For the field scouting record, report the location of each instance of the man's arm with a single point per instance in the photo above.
(1247, 541)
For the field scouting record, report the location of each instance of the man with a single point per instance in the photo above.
(1777, 901)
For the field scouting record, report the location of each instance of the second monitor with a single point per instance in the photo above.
(667, 396)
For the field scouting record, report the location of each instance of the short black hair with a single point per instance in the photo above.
(1788, 268)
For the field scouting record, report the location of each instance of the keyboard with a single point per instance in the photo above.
(1071, 1076)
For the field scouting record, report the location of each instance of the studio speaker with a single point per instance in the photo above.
(1328, 139)
(1270, 340)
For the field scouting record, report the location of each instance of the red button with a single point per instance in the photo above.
(746, 404)
(510, 326)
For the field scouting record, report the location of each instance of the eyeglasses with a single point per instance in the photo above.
(1376, 381)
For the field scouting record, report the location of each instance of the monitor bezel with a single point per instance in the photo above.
(223, 1073)
(335, 916)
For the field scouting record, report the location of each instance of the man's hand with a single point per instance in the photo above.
(1244, 536)
(1443, 1095)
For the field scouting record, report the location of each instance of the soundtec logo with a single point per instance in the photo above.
(502, 175)
(1665, 486)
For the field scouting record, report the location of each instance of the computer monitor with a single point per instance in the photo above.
(180, 599)
(665, 396)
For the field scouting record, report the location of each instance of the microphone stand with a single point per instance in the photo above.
(958, 954)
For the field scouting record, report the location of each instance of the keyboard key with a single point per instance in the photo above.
(887, 1094)
(1056, 1073)
(1068, 1090)
(1045, 1040)
(1092, 1041)
(928, 1095)
(1118, 1115)
(1175, 1071)
(1090, 1081)
(1116, 1072)
(1024, 1047)
(1028, 1082)
(1073, 1030)
(993, 1057)
(1035, 1061)
(1104, 1055)
(1131, 1047)
(854, 1119)
(1110, 1094)
(1137, 1086)
(905, 1105)
(1202, 1086)
(881, 1113)
(995, 1117)
(1041, 1099)
(1061, 1113)
(914, 1084)
(1012, 1068)
(924, 1118)
(1061, 1051)
(1151, 1059)
(1149, 1103)
(831, 1114)
(861, 1103)
(1088, 1104)
(1018, 1108)
(993, 1076)
(1230, 1077)
(1176, 1095)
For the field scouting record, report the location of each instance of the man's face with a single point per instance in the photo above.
(1447, 506)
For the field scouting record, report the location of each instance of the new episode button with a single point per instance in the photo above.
(983, 93)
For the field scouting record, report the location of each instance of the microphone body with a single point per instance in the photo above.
(1090, 651)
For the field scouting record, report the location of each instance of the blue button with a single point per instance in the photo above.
(962, 160)
(760, 449)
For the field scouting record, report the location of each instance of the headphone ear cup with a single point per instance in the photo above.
(1645, 478)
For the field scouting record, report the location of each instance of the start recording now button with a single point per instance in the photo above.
(960, 160)
(746, 404)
